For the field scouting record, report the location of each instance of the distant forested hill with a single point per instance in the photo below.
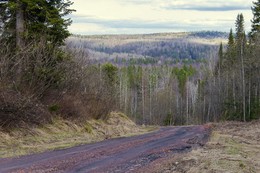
(149, 48)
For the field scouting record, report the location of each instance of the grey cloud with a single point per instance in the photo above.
(136, 2)
(137, 24)
(208, 8)
(134, 24)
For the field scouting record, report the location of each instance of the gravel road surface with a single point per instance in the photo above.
(130, 154)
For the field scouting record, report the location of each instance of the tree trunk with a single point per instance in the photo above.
(143, 98)
(150, 101)
(19, 25)
(204, 107)
(243, 82)
(126, 97)
(249, 99)
(187, 102)
(19, 39)
(177, 105)
(135, 102)
(234, 92)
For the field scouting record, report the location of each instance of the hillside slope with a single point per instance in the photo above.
(165, 46)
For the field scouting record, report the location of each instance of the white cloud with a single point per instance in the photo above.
(148, 16)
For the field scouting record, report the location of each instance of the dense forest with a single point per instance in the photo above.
(167, 48)
(44, 74)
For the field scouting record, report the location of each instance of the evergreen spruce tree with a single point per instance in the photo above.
(240, 47)
(25, 20)
(230, 38)
(240, 26)
(220, 54)
(37, 29)
(220, 60)
(240, 31)
(230, 53)
(255, 61)
(240, 35)
(256, 19)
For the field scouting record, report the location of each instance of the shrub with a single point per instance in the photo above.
(17, 111)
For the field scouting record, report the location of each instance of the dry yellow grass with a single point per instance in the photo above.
(234, 147)
(63, 134)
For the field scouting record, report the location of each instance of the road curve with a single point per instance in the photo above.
(129, 154)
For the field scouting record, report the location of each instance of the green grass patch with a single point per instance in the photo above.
(233, 147)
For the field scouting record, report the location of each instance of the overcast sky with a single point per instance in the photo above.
(154, 16)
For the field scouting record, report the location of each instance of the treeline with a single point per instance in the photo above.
(166, 49)
(162, 49)
(42, 78)
(209, 34)
(145, 61)
(236, 81)
(223, 89)
(161, 95)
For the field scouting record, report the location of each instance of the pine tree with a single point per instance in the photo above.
(240, 30)
(35, 27)
(240, 35)
(26, 20)
(256, 19)
(231, 42)
(240, 45)
(230, 53)
(221, 56)
(255, 62)
(240, 26)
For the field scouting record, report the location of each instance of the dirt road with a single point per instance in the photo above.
(132, 154)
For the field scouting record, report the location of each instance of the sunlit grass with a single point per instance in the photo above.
(64, 134)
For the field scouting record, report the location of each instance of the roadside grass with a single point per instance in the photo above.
(234, 147)
(62, 134)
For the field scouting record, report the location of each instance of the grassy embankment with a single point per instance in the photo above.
(63, 134)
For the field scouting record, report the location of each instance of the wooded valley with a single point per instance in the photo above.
(158, 79)
(162, 48)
